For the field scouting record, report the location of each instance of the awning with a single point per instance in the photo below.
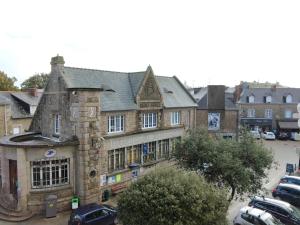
(289, 125)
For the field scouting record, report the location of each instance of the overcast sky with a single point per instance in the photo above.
(201, 42)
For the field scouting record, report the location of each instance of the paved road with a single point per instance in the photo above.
(284, 152)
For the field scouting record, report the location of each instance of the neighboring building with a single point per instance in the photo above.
(268, 108)
(216, 110)
(94, 131)
(16, 110)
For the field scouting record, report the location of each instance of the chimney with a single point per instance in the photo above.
(273, 88)
(32, 92)
(57, 63)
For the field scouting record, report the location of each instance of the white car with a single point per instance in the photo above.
(268, 135)
(249, 215)
(255, 134)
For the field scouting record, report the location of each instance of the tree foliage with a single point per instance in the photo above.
(172, 197)
(36, 81)
(240, 166)
(7, 83)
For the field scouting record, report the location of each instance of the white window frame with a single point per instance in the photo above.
(116, 123)
(289, 99)
(251, 113)
(47, 166)
(57, 124)
(175, 118)
(268, 99)
(149, 120)
(268, 113)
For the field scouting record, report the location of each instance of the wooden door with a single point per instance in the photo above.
(13, 177)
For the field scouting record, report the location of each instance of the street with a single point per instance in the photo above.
(284, 152)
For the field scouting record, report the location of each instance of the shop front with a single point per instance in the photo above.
(262, 124)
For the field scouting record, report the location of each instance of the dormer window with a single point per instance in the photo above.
(57, 123)
(289, 99)
(250, 99)
(268, 99)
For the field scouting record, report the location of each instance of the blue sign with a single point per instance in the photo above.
(145, 149)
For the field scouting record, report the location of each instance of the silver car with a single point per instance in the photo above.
(249, 216)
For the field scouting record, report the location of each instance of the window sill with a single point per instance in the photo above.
(115, 133)
(46, 189)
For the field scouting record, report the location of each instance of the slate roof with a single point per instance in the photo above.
(18, 102)
(120, 89)
(277, 94)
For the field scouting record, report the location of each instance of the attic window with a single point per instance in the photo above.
(168, 91)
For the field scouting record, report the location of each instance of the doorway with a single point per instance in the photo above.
(13, 177)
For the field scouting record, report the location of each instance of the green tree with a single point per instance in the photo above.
(36, 81)
(239, 166)
(172, 197)
(7, 83)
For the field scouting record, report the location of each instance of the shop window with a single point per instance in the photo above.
(149, 120)
(133, 155)
(163, 149)
(149, 151)
(175, 118)
(116, 159)
(116, 124)
(50, 173)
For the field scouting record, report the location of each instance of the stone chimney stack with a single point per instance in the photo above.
(57, 63)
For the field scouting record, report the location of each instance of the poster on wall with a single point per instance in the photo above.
(213, 121)
(103, 180)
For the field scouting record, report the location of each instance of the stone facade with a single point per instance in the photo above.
(111, 144)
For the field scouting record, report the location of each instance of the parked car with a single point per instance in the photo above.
(285, 212)
(287, 192)
(283, 136)
(255, 134)
(249, 215)
(290, 180)
(93, 214)
(268, 135)
(295, 136)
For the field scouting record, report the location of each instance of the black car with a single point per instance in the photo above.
(285, 212)
(290, 180)
(283, 136)
(93, 214)
(288, 192)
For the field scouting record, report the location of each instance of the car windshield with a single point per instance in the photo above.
(295, 211)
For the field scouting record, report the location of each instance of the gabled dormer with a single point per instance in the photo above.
(148, 95)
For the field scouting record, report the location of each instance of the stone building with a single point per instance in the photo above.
(268, 108)
(216, 110)
(17, 110)
(93, 131)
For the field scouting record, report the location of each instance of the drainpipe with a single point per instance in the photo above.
(5, 122)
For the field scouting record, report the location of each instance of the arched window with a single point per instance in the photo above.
(289, 99)
(251, 99)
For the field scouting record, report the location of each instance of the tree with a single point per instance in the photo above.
(7, 83)
(240, 166)
(36, 81)
(172, 197)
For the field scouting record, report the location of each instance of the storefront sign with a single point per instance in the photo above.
(50, 153)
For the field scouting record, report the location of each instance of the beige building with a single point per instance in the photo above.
(94, 131)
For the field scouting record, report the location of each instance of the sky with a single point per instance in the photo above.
(202, 42)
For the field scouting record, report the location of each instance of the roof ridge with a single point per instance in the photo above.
(102, 70)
